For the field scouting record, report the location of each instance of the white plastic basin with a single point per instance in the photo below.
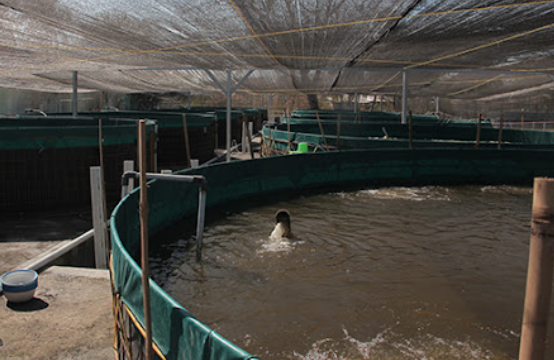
(19, 285)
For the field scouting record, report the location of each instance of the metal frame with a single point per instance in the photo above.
(198, 179)
(228, 90)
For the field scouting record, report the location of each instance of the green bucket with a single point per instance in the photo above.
(302, 148)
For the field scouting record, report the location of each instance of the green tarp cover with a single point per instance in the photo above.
(177, 333)
(50, 132)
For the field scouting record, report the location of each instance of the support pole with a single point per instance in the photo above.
(437, 102)
(404, 95)
(103, 193)
(356, 103)
(98, 217)
(411, 129)
(539, 273)
(228, 90)
(288, 136)
(187, 140)
(478, 138)
(228, 122)
(143, 210)
(200, 221)
(248, 139)
(74, 95)
(500, 130)
(155, 135)
(338, 132)
(321, 129)
(128, 165)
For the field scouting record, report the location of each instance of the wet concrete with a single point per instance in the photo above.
(70, 317)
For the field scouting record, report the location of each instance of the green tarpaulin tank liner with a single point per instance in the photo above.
(379, 135)
(45, 162)
(171, 145)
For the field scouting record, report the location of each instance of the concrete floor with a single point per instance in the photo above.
(70, 317)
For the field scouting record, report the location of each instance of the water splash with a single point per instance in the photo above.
(403, 193)
(389, 345)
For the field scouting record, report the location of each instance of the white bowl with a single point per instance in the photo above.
(19, 285)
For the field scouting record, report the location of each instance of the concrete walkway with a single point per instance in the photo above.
(69, 318)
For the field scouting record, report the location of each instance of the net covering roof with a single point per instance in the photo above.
(458, 49)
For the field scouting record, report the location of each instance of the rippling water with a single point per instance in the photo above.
(393, 273)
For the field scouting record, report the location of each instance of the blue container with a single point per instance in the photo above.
(19, 285)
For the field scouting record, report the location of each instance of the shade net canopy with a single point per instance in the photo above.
(457, 49)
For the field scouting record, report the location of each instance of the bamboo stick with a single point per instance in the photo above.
(539, 273)
(321, 129)
(143, 210)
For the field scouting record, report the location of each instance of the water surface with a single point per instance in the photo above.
(391, 273)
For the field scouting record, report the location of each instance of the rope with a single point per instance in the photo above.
(476, 86)
(130, 52)
(254, 33)
(484, 46)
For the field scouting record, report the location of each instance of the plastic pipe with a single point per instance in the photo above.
(200, 222)
(54, 255)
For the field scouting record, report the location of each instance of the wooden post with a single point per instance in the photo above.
(187, 144)
(143, 211)
(338, 132)
(374, 102)
(478, 138)
(288, 135)
(321, 129)
(522, 118)
(411, 129)
(98, 217)
(246, 141)
(500, 130)
(539, 273)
